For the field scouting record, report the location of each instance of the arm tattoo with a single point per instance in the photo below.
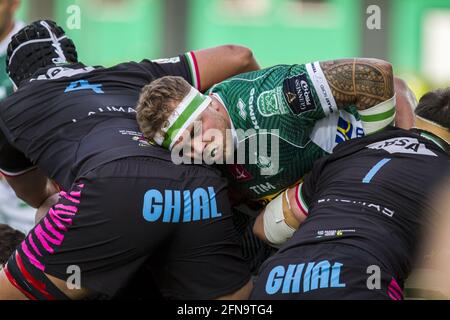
(361, 82)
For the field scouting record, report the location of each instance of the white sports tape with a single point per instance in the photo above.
(276, 230)
(378, 117)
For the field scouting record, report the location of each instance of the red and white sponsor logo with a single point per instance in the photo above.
(239, 172)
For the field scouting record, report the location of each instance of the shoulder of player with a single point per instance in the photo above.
(188, 176)
(33, 90)
(123, 66)
(194, 171)
(393, 137)
(256, 75)
(165, 167)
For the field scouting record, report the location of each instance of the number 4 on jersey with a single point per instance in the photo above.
(84, 85)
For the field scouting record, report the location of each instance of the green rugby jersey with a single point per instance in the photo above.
(295, 104)
(6, 86)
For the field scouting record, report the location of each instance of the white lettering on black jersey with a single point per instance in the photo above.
(403, 145)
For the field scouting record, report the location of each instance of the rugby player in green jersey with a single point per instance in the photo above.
(298, 112)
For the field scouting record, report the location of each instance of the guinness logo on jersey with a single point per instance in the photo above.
(297, 92)
(290, 97)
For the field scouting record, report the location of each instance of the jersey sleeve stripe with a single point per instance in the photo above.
(10, 174)
(193, 66)
(16, 285)
(300, 200)
(322, 87)
(36, 284)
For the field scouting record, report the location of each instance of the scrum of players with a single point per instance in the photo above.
(345, 193)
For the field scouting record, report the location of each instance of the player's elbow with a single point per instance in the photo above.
(239, 51)
(400, 85)
(244, 57)
(386, 66)
(31, 200)
(386, 71)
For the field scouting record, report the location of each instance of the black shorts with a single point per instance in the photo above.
(325, 272)
(133, 213)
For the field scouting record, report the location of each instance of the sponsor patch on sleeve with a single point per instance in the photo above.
(297, 92)
(322, 88)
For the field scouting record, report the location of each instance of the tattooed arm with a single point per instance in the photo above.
(361, 82)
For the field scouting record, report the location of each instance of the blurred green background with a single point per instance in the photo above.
(414, 34)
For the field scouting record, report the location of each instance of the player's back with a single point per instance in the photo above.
(372, 193)
(74, 117)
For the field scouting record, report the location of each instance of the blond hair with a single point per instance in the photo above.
(157, 101)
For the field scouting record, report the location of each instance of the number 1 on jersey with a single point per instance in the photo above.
(375, 169)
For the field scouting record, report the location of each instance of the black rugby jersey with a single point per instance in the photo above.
(71, 118)
(373, 193)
